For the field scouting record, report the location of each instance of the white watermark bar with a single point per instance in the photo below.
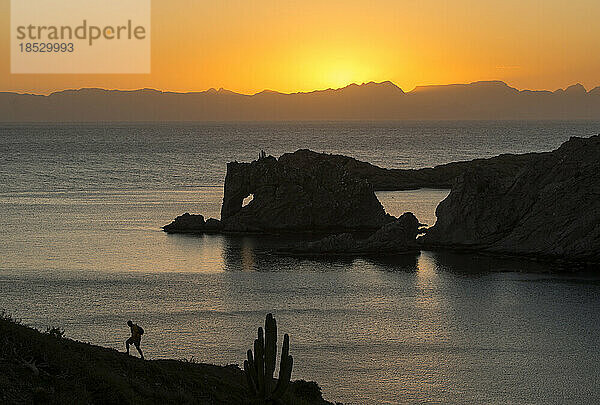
(80, 36)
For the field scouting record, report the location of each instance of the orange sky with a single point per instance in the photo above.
(300, 45)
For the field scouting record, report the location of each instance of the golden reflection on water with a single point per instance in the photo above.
(247, 253)
(426, 268)
(433, 312)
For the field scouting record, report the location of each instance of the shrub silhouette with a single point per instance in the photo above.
(56, 332)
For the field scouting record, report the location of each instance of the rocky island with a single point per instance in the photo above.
(302, 192)
(541, 205)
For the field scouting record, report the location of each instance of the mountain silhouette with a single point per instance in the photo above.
(484, 100)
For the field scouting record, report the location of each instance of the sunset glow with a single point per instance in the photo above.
(289, 46)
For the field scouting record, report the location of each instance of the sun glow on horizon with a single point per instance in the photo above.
(340, 78)
(291, 47)
(336, 74)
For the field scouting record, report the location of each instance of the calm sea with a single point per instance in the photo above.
(81, 208)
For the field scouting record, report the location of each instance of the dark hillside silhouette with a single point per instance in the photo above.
(47, 368)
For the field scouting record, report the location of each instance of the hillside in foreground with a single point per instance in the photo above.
(46, 368)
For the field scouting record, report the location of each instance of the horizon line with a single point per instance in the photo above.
(224, 90)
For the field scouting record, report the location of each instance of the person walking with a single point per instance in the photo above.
(136, 338)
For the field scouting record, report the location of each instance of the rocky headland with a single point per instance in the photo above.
(441, 176)
(310, 192)
(540, 205)
(549, 209)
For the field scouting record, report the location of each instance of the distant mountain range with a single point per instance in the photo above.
(487, 100)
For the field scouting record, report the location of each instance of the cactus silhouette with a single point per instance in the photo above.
(260, 367)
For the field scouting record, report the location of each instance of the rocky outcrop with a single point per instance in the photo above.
(307, 191)
(381, 179)
(550, 208)
(442, 176)
(544, 205)
(397, 237)
(299, 192)
(188, 223)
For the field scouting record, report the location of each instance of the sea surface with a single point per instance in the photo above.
(81, 248)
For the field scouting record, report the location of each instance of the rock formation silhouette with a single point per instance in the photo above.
(550, 208)
(306, 191)
(543, 205)
(299, 192)
(397, 237)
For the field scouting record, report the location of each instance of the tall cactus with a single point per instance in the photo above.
(260, 367)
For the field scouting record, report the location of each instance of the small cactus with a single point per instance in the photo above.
(260, 367)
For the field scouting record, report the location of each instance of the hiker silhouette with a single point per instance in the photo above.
(136, 337)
